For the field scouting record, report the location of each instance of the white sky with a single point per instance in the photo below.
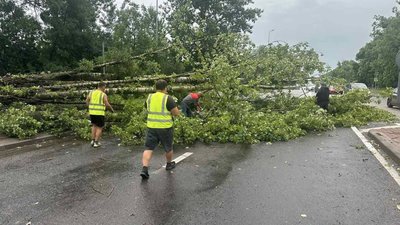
(336, 28)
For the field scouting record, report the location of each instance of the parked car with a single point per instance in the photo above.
(355, 86)
(392, 100)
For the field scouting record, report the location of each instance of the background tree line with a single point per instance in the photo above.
(376, 60)
(56, 35)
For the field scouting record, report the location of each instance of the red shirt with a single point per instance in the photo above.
(195, 96)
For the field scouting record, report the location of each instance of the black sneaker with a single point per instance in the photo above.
(145, 175)
(170, 165)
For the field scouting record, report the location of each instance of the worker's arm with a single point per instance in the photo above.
(107, 103)
(198, 106)
(175, 111)
(172, 106)
(88, 99)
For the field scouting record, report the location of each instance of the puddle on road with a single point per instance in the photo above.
(160, 201)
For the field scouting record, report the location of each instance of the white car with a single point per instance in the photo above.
(354, 86)
(357, 86)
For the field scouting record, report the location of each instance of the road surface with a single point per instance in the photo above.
(380, 103)
(321, 179)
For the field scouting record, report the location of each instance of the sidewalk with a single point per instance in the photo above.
(9, 143)
(389, 140)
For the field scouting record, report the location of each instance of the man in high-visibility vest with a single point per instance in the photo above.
(97, 102)
(160, 110)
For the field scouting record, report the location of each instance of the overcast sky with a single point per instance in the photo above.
(335, 28)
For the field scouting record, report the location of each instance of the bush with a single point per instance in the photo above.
(19, 122)
(345, 103)
(133, 132)
(362, 115)
(310, 117)
(72, 119)
(243, 124)
(236, 123)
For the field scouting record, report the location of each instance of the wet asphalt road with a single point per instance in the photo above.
(381, 104)
(316, 180)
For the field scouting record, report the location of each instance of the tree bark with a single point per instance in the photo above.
(173, 78)
(124, 90)
(131, 58)
(47, 79)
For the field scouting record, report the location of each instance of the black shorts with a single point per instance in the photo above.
(99, 121)
(157, 136)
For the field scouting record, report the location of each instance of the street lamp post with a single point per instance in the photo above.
(104, 68)
(157, 22)
(269, 35)
(398, 82)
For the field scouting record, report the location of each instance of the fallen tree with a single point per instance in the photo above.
(120, 90)
(177, 78)
(75, 74)
(40, 96)
(26, 80)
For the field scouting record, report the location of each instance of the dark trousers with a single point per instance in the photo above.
(324, 105)
(186, 110)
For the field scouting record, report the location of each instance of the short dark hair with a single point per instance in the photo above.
(161, 85)
(101, 85)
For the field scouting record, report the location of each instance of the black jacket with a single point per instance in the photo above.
(323, 95)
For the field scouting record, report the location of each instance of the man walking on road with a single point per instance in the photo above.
(160, 110)
(191, 102)
(97, 102)
(323, 97)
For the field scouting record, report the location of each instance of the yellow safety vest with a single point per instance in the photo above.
(157, 114)
(96, 105)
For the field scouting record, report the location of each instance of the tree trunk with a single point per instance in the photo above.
(122, 90)
(173, 78)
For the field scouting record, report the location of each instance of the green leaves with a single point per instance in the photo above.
(19, 122)
(20, 34)
(283, 64)
(197, 24)
(238, 124)
(86, 65)
(375, 64)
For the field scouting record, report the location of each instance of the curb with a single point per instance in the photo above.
(386, 145)
(21, 143)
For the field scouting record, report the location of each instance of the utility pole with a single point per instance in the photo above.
(269, 35)
(157, 23)
(398, 82)
(104, 68)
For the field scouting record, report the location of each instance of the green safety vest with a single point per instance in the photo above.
(157, 114)
(96, 105)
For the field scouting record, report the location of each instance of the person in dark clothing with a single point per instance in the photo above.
(191, 103)
(323, 97)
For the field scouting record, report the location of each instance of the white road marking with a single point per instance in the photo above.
(177, 160)
(182, 157)
(378, 156)
(377, 128)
